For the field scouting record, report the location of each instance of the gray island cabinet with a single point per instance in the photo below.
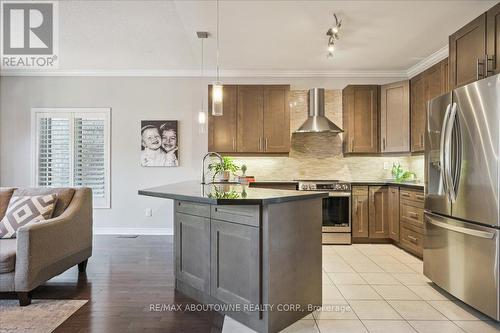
(254, 254)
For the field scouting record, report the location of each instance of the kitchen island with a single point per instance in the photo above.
(254, 254)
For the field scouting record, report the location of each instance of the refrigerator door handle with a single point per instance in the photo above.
(441, 149)
(462, 230)
(447, 153)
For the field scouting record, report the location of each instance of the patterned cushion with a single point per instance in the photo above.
(24, 210)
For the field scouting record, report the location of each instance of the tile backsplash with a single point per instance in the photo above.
(319, 155)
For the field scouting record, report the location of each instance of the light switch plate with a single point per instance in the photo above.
(387, 165)
(149, 212)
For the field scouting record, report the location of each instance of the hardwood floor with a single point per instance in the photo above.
(125, 276)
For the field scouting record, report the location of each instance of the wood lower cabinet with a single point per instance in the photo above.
(222, 129)
(256, 119)
(393, 214)
(411, 220)
(359, 214)
(235, 265)
(378, 208)
(395, 117)
(360, 118)
(467, 51)
(193, 250)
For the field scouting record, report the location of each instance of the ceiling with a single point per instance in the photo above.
(275, 35)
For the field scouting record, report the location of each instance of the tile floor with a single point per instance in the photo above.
(381, 288)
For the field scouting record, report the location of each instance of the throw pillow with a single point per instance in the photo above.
(24, 210)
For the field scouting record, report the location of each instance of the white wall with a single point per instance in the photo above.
(131, 100)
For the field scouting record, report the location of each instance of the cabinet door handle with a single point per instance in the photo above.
(420, 197)
(352, 145)
(234, 144)
(479, 75)
(413, 214)
(487, 60)
(260, 144)
(265, 144)
(421, 140)
(383, 144)
(406, 195)
(413, 239)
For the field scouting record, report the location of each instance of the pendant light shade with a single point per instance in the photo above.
(217, 88)
(217, 99)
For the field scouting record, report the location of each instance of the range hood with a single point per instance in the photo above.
(316, 121)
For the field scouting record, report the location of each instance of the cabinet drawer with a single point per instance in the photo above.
(413, 215)
(192, 208)
(248, 215)
(360, 190)
(412, 239)
(417, 196)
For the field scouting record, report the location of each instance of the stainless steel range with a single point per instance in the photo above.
(336, 209)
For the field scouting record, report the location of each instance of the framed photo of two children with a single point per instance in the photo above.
(159, 143)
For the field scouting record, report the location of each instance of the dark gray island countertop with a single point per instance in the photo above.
(227, 194)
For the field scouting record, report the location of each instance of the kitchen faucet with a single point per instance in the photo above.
(210, 153)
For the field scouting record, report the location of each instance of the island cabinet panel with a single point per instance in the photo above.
(222, 129)
(378, 212)
(395, 117)
(235, 263)
(360, 118)
(248, 215)
(250, 119)
(467, 53)
(360, 211)
(192, 250)
(394, 213)
(276, 119)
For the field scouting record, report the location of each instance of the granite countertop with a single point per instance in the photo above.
(227, 194)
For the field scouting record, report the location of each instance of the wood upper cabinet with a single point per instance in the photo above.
(250, 119)
(418, 112)
(222, 129)
(395, 117)
(393, 213)
(276, 119)
(467, 51)
(360, 118)
(423, 87)
(256, 119)
(493, 38)
(359, 211)
(378, 208)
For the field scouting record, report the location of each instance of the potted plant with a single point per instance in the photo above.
(224, 168)
(400, 175)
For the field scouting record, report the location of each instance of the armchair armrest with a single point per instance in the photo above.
(48, 248)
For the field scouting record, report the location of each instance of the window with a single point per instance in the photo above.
(71, 148)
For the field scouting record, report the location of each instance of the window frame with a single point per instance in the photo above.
(72, 113)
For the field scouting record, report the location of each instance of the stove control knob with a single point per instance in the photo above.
(304, 187)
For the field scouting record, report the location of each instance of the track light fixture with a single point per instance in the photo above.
(333, 35)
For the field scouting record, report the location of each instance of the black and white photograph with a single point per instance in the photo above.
(159, 143)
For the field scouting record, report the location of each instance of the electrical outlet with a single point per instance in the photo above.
(387, 165)
(149, 212)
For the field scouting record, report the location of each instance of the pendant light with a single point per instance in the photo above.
(202, 117)
(217, 88)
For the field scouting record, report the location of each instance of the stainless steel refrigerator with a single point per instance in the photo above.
(462, 147)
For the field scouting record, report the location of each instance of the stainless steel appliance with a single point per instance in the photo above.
(317, 122)
(462, 148)
(336, 209)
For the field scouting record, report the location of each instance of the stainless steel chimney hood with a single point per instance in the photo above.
(316, 121)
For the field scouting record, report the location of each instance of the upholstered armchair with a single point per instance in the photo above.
(42, 250)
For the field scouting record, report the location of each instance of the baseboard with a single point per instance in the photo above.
(132, 231)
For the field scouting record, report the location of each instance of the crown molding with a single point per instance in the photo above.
(243, 73)
(431, 60)
(211, 74)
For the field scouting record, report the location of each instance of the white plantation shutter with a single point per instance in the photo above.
(72, 149)
(54, 151)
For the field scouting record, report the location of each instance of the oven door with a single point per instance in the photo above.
(337, 213)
